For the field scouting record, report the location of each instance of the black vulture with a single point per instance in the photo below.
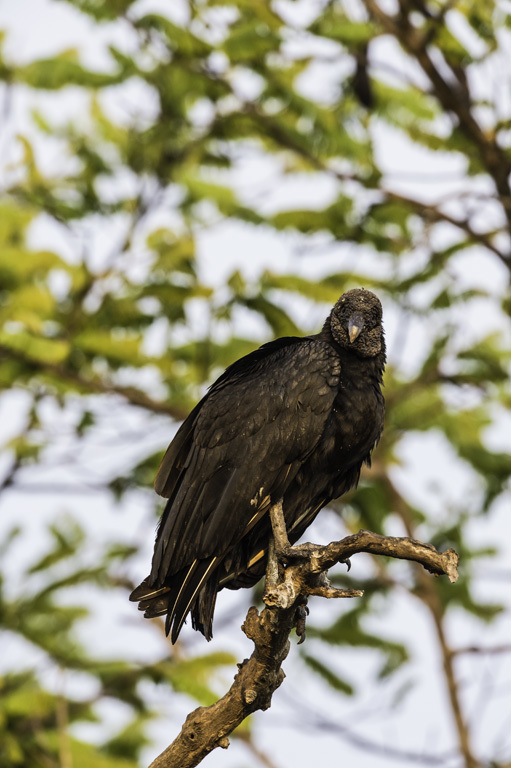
(292, 422)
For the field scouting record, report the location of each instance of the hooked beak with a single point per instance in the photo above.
(355, 325)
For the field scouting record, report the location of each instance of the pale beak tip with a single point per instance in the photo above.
(354, 332)
(355, 325)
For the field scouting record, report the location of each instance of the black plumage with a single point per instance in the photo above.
(292, 422)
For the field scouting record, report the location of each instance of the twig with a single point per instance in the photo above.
(480, 650)
(263, 758)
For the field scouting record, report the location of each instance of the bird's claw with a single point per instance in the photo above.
(302, 611)
(347, 562)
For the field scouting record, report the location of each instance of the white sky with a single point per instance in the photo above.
(429, 472)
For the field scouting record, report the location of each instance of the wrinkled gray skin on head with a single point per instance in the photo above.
(358, 310)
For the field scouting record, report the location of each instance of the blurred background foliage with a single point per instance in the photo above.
(292, 122)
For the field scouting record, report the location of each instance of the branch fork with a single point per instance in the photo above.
(285, 597)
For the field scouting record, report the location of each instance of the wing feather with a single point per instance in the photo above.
(173, 462)
(235, 454)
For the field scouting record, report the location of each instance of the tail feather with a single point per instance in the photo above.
(190, 595)
(145, 591)
(202, 611)
(152, 607)
(192, 590)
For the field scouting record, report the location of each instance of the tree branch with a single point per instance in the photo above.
(452, 93)
(481, 650)
(429, 211)
(93, 384)
(259, 676)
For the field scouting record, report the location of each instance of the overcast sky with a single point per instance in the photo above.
(429, 472)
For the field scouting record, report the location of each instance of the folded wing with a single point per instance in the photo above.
(235, 455)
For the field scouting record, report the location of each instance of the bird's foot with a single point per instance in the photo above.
(302, 611)
(288, 553)
(347, 563)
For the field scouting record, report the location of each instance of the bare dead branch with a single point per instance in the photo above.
(259, 676)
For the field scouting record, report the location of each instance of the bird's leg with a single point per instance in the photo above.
(283, 548)
(278, 525)
(272, 565)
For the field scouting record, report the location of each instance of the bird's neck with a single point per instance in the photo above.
(372, 367)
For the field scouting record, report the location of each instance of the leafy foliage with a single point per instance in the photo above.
(149, 167)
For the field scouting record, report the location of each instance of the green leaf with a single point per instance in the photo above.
(63, 71)
(278, 320)
(347, 630)
(18, 265)
(334, 681)
(178, 38)
(85, 755)
(223, 197)
(102, 11)
(118, 349)
(334, 24)
(192, 676)
(67, 536)
(250, 42)
(129, 741)
(175, 254)
(35, 348)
